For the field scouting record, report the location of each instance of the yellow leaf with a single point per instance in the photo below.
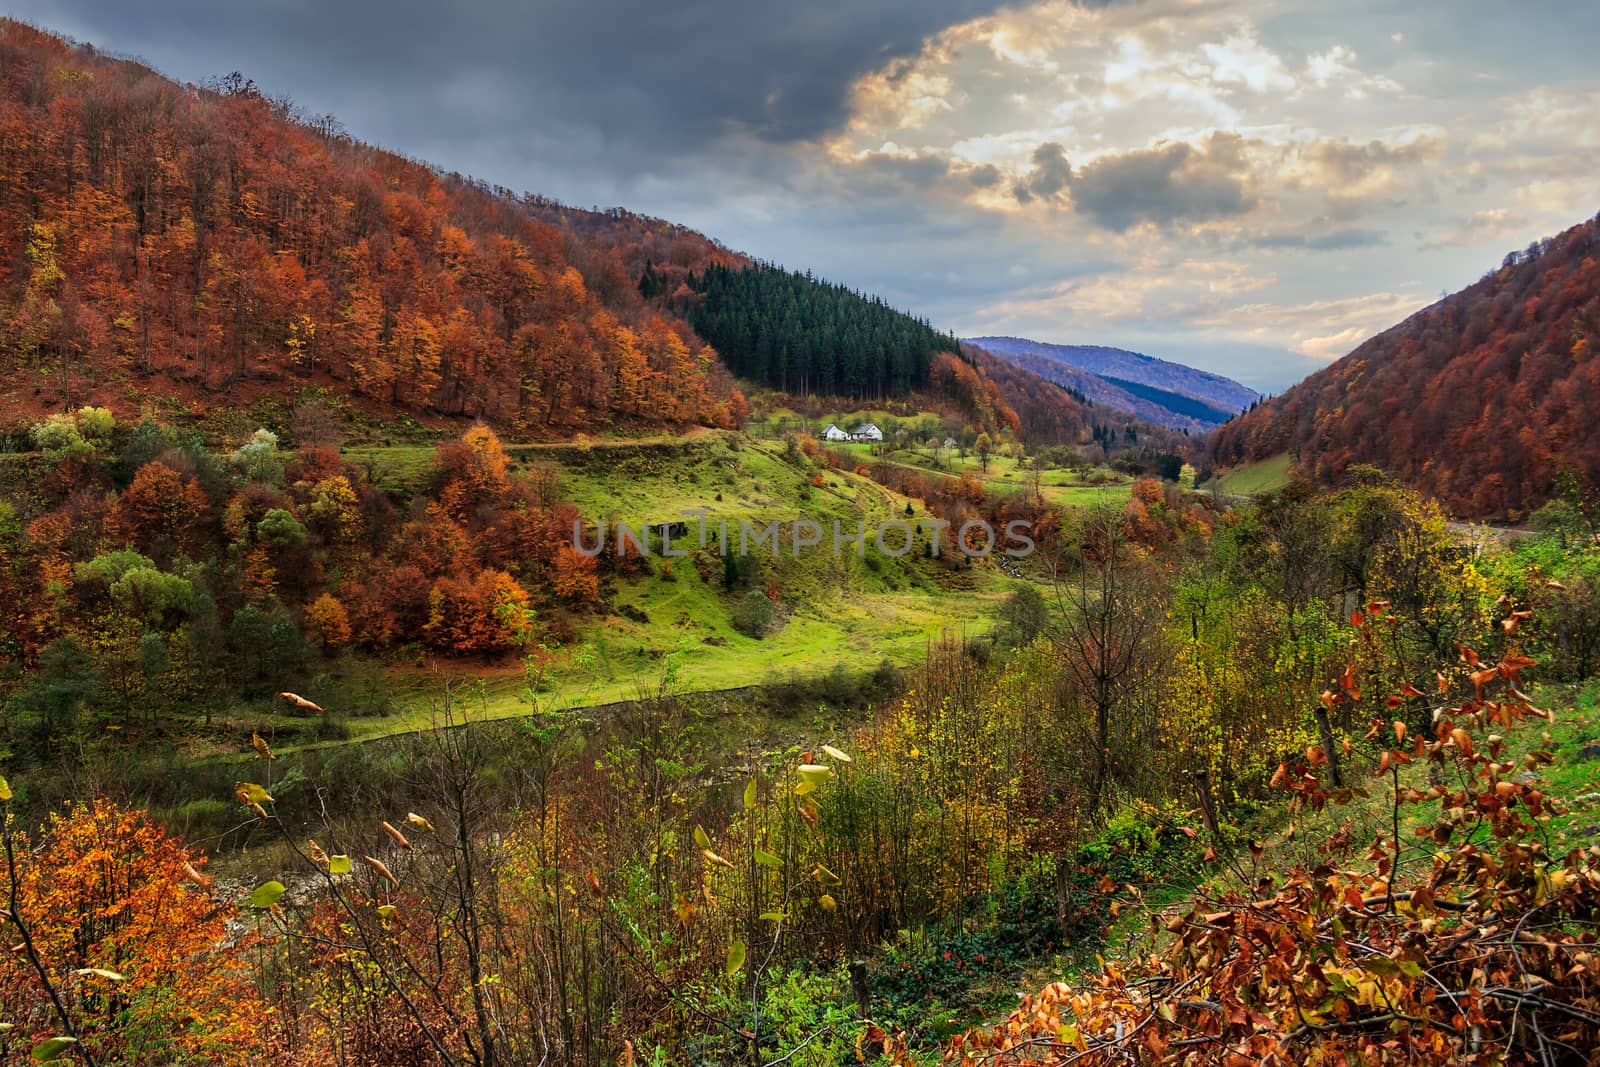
(250, 793)
(815, 773)
(101, 972)
(712, 857)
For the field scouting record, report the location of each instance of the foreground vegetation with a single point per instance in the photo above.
(1153, 729)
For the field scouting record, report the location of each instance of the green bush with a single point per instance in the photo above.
(754, 615)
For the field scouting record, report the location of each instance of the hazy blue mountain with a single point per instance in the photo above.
(1155, 389)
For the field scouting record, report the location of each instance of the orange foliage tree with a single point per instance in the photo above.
(575, 577)
(161, 512)
(327, 619)
(145, 961)
(484, 613)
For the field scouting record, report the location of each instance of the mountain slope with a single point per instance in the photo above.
(790, 331)
(1106, 394)
(1481, 399)
(205, 246)
(1190, 398)
(1049, 412)
(199, 243)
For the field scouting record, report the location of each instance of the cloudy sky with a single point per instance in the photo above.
(1252, 186)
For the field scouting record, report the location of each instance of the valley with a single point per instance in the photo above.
(442, 626)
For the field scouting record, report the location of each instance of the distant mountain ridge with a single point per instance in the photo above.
(1158, 390)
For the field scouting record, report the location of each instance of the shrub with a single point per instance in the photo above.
(754, 615)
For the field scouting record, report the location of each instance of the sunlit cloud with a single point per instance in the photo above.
(1161, 135)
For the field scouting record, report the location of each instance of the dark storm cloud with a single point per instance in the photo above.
(1173, 182)
(649, 80)
(985, 176)
(1176, 182)
(1050, 176)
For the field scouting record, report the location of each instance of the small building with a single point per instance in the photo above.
(951, 442)
(833, 433)
(867, 431)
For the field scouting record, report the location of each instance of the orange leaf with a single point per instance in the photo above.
(382, 869)
(396, 836)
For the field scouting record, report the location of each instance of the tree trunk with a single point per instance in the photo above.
(1325, 729)
(1208, 804)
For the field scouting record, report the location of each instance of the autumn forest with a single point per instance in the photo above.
(335, 731)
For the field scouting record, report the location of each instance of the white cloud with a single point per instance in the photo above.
(1319, 329)
(1242, 60)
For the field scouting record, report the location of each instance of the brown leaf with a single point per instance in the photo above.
(300, 702)
(383, 871)
(396, 836)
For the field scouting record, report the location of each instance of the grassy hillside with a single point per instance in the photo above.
(1263, 476)
(673, 627)
(1062, 486)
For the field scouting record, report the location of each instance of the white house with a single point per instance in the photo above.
(867, 431)
(833, 433)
